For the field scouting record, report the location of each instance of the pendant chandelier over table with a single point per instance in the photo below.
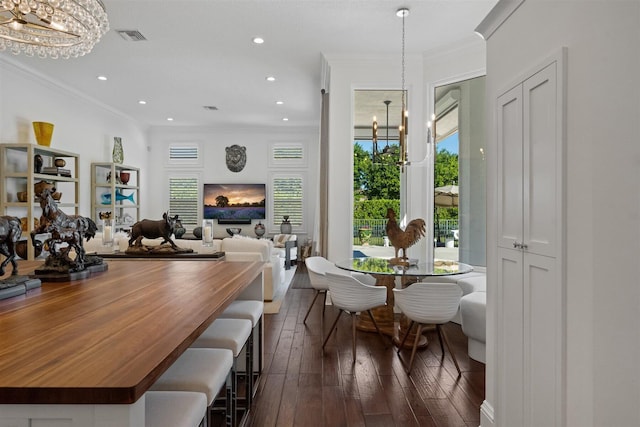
(387, 150)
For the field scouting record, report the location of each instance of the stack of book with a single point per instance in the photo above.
(54, 170)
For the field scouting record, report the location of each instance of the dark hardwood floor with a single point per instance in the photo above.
(304, 386)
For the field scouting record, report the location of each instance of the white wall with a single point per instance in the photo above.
(82, 126)
(214, 170)
(423, 74)
(603, 194)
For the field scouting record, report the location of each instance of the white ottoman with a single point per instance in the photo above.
(473, 311)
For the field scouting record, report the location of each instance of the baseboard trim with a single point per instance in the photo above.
(486, 415)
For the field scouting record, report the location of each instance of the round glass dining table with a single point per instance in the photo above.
(383, 266)
(385, 273)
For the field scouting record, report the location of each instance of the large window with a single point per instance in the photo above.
(184, 200)
(376, 175)
(287, 199)
(460, 172)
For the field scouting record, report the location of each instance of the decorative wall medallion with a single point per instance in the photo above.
(236, 158)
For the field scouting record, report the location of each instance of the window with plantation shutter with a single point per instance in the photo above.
(287, 154)
(184, 200)
(288, 199)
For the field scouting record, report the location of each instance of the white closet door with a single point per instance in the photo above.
(542, 341)
(530, 303)
(509, 132)
(541, 162)
(510, 357)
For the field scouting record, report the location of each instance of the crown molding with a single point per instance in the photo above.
(500, 12)
(36, 76)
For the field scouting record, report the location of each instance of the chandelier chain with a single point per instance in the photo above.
(403, 66)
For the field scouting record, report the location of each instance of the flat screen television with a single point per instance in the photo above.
(234, 202)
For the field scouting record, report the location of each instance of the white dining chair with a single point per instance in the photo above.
(428, 304)
(317, 266)
(350, 295)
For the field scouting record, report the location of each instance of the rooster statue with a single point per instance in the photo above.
(402, 239)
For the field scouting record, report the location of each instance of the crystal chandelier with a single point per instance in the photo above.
(51, 28)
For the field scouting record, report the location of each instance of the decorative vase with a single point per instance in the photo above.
(179, 232)
(124, 177)
(285, 227)
(37, 163)
(118, 153)
(43, 132)
(59, 163)
(232, 231)
(259, 229)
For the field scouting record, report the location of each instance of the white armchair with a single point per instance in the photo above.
(286, 245)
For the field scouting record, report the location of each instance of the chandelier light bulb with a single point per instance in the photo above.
(16, 25)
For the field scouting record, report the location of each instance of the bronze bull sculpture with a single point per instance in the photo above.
(153, 229)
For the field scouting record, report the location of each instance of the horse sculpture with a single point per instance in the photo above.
(10, 232)
(69, 229)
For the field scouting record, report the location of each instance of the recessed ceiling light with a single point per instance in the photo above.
(258, 40)
(169, 119)
(271, 79)
(279, 102)
(103, 78)
(285, 119)
(142, 102)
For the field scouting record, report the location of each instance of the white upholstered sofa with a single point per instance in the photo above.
(235, 249)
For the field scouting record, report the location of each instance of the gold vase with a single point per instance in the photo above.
(43, 132)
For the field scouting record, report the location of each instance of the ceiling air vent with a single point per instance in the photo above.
(132, 35)
(211, 107)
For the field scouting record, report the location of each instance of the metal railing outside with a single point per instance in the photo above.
(377, 230)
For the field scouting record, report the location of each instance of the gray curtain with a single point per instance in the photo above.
(323, 205)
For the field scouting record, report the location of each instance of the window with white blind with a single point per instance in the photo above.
(184, 200)
(182, 154)
(288, 199)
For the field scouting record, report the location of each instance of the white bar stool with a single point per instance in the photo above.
(174, 408)
(205, 370)
(232, 334)
(252, 310)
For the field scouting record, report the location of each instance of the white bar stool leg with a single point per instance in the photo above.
(232, 334)
(254, 311)
(204, 370)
